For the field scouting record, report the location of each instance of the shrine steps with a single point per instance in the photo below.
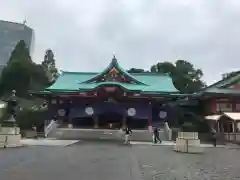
(102, 134)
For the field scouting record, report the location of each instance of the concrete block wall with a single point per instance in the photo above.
(2, 140)
(188, 135)
(10, 140)
(188, 142)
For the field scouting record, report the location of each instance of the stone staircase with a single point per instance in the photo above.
(40, 134)
(2, 141)
(86, 134)
(103, 134)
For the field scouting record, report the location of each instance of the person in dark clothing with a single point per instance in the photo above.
(214, 137)
(156, 135)
(128, 131)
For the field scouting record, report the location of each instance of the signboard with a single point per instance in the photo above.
(110, 89)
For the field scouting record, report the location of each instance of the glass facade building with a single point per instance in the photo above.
(10, 34)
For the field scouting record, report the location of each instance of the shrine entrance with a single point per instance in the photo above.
(83, 122)
(137, 123)
(110, 120)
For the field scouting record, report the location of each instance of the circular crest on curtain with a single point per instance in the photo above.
(131, 111)
(162, 114)
(61, 112)
(89, 110)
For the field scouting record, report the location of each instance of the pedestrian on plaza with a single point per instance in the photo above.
(214, 137)
(237, 129)
(156, 135)
(128, 131)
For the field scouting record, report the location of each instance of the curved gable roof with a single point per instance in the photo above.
(144, 82)
(222, 86)
(114, 64)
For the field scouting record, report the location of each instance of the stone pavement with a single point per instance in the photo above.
(162, 163)
(85, 161)
(115, 161)
(55, 142)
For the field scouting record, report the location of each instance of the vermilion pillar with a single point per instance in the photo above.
(150, 117)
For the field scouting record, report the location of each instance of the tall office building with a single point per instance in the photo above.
(10, 34)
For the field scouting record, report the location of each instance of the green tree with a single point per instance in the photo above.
(49, 65)
(185, 77)
(17, 74)
(27, 118)
(135, 70)
(21, 73)
(39, 79)
(230, 74)
(164, 67)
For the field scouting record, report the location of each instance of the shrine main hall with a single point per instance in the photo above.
(112, 98)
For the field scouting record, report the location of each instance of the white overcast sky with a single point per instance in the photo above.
(84, 34)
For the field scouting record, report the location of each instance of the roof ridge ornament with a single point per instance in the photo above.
(114, 59)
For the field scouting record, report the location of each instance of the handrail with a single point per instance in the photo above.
(168, 131)
(50, 127)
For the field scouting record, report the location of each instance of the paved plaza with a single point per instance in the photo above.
(160, 162)
(114, 161)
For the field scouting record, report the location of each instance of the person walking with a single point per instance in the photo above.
(156, 135)
(128, 131)
(214, 137)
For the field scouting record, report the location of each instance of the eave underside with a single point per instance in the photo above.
(129, 95)
(209, 95)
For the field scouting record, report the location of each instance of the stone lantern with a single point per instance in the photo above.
(10, 134)
(11, 110)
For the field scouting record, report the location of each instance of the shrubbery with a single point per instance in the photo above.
(22, 74)
(28, 118)
(200, 127)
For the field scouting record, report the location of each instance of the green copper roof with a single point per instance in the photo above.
(223, 91)
(143, 82)
(114, 64)
(222, 86)
(225, 83)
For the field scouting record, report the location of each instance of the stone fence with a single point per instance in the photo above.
(188, 142)
(233, 137)
(10, 137)
(204, 137)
